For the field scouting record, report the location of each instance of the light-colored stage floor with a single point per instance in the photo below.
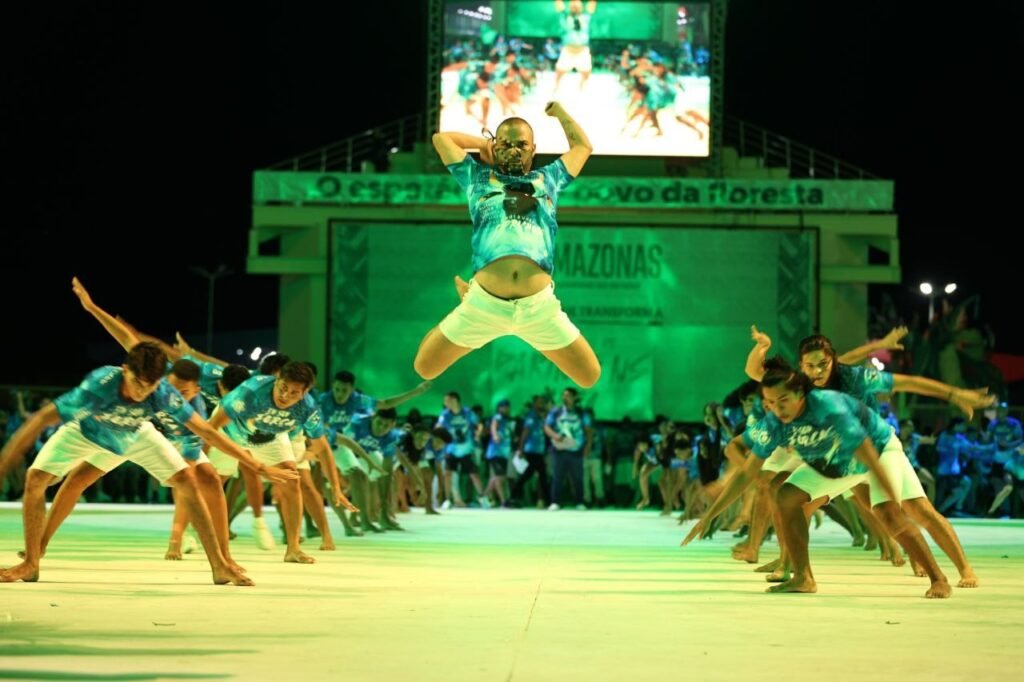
(482, 596)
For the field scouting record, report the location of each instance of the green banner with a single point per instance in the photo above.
(668, 312)
(403, 190)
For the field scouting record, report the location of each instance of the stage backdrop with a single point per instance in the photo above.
(668, 311)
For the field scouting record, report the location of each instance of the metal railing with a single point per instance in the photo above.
(347, 156)
(773, 149)
(779, 151)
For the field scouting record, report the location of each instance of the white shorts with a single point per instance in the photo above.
(911, 488)
(201, 459)
(271, 453)
(67, 447)
(574, 59)
(347, 461)
(782, 459)
(225, 464)
(817, 485)
(538, 320)
(299, 450)
(893, 462)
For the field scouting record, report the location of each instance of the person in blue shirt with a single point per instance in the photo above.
(243, 479)
(423, 447)
(1007, 439)
(1007, 434)
(183, 376)
(463, 424)
(513, 210)
(912, 442)
(260, 414)
(886, 413)
(953, 450)
(532, 448)
(673, 468)
(339, 406)
(434, 454)
(653, 451)
(344, 401)
(499, 449)
(709, 445)
(838, 439)
(686, 477)
(188, 381)
(376, 435)
(110, 414)
(820, 362)
(569, 429)
(740, 403)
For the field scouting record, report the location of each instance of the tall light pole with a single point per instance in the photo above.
(211, 279)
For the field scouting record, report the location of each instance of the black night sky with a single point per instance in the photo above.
(129, 133)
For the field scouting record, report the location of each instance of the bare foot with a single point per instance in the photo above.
(940, 589)
(779, 575)
(859, 541)
(769, 567)
(797, 584)
(234, 566)
(298, 557)
(918, 569)
(353, 533)
(896, 556)
(665, 512)
(643, 505)
(173, 552)
(327, 546)
(745, 554)
(871, 544)
(227, 575)
(22, 571)
(22, 554)
(968, 579)
(432, 512)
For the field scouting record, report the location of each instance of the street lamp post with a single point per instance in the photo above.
(211, 278)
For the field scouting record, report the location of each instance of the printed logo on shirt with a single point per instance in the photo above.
(807, 436)
(759, 436)
(129, 417)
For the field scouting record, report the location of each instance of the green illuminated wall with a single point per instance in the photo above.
(667, 310)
